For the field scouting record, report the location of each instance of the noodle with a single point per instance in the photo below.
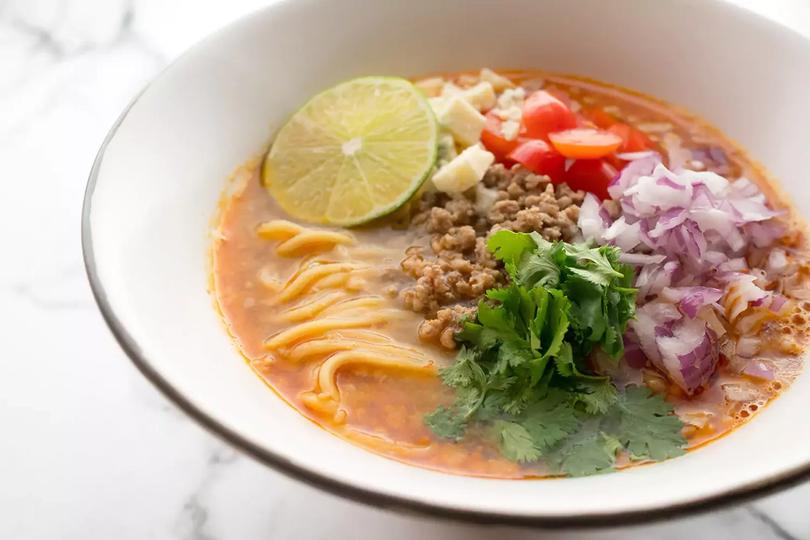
(319, 326)
(303, 281)
(278, 229)
(326, 374)
(333, 328)
(309, 241)
(355, 303)
(332, 345)
(308, 310)
(296, 240)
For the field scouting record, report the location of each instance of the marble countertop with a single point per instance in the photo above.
(90, 448)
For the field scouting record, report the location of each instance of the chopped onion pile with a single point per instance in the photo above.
(689, 233)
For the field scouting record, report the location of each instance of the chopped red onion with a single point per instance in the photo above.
(778, 301)
(747, 346)
(758, 370)
(737, 264)
(777, 261)
(690, 300)
(685, 349)
(747, 293)
(654, 277)
(688, 231)
(633, 354)
(593, 218)
(641, 258)
(632, 156)
(625, 235)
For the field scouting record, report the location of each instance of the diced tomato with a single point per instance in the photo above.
(560, 94)
(592, 175)
(493, 139)
(538, 157)
(585, 143)
(544, 114)
(633, 140)
(599, 117)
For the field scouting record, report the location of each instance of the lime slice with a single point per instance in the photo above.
(354, 152)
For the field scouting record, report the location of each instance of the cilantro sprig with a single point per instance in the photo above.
(522, 371)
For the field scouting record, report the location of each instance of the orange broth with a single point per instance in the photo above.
(383, 409)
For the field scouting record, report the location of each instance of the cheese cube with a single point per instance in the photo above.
(498, 82)
(431, 87)
(438, 104)
(481, 96)
(451, 89)
(484, 198)
(461, 119)
(463, 172)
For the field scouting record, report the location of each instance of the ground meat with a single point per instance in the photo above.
(444, 327)
(460, 268)
(447, 277)
(529, 202)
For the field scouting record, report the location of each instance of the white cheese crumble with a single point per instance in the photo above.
(510, 110)
(511, 97)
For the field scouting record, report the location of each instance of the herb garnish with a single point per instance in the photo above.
(522, 368)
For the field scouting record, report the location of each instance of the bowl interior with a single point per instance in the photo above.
(158, 180)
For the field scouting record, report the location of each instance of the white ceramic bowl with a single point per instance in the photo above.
(154, 187)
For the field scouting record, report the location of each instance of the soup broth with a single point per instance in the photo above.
(322, 316)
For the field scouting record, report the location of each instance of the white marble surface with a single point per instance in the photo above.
(89, 448)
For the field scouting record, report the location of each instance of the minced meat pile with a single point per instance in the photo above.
(459, 268)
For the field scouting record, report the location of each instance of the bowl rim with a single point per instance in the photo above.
(697, 505)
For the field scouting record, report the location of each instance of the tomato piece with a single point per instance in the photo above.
(591, 175)
(493, 139)
(599, 117)
(633, 140)
(538, 157)
(560, 94)
(544, 114)
(585, 143)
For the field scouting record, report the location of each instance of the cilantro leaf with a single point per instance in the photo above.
(538, 270)
(645, 424)
(567, 366)
(516, 442)
(539, 267)
(523, 367)
(509, 247)
(446, 423)
(596, 396)
(593, 264)
(513, 353)
(550, 420)
(587, 313)
(497, 319)
(469, 400)
(556, 325)
(464, 371)
(588, 451)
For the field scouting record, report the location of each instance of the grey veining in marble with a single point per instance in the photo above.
(89, 448)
